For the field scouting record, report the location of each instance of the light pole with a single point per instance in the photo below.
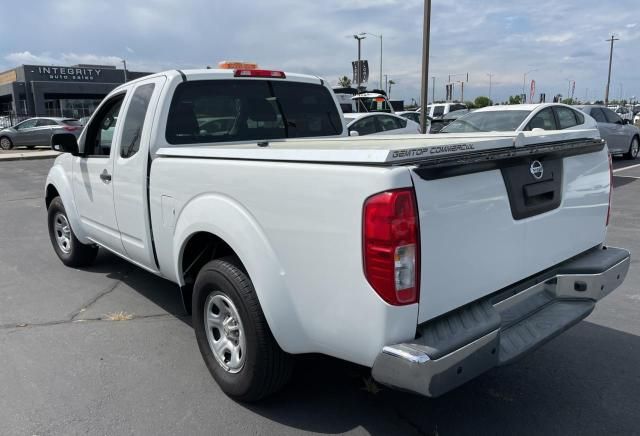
(490, 77)
(125, 70)
(359, 66)
(424, 94)
(377, 36)
(524, 81)
(606, 94)
(433, 89)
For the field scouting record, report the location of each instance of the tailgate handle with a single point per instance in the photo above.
(539, 192)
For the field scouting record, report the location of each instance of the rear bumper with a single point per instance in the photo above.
(457, 347)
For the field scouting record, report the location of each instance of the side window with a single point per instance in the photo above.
(438, 111)
(134, 120)
(566, 117)
(579, 117)
(598, 115)
(388, 123)
(26, 125)
(612, 117)
(44, 122)
(100, 130)
(543, 120)
(365, 126)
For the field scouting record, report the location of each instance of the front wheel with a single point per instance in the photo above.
(70, 251)
(233, 335)
(5, 143)
(634, 148)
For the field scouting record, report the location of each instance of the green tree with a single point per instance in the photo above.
(568, 101)
(470, 105)
(344, 82)
(482, 101)
(515, 99)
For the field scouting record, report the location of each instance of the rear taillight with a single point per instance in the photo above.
(70, 128)
(610, 187)
(391, 247)
(260, 73)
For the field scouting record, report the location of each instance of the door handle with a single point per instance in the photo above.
(105, 176)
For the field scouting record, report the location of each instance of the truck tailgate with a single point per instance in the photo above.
(491, 222)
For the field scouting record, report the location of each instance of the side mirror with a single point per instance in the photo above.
(353, 133)
(66, 143)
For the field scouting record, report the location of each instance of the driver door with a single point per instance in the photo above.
(92, 184)
(25, 132)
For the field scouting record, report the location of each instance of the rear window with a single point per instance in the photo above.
(248, 110)
(489, 121)
(75, 123)
(347, 108)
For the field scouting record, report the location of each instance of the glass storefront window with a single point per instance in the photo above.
(78, 108)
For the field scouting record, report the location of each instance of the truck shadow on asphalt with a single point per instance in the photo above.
(579, 383)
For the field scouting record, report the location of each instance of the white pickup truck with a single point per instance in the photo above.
(428, 259)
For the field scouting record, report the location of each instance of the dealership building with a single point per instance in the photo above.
(50, 90)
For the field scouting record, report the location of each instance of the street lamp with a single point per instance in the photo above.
(490, 77)
(524, 81)
(125, 70)
(377, 36)
(359, 66)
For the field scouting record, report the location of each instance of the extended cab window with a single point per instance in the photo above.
(249, 110)
(134, 120)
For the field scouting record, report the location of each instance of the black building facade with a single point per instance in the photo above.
(49, 90)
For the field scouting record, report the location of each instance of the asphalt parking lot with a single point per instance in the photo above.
(66, 369)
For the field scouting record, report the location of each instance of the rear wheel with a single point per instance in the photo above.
(70, 251)
(634, 148)
(233, 335)
(5, 143)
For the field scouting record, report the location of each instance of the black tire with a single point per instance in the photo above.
(5, 143)
(634, 149)
(266, 367)
(76, 253)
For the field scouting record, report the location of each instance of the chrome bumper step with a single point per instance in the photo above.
(455, 348)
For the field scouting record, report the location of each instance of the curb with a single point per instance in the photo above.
(29, 156)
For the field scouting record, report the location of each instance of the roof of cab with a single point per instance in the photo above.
(217, 73)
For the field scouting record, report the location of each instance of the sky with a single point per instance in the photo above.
(558, 41)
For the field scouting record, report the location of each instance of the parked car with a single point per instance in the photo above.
(521, 117)
(624, 112)
(438, 124)
(411, 115)
(410, 255)
(439, 110)
(379, 123)
(622, 137)
(37, 131)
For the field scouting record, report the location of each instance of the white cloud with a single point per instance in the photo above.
(559, 38)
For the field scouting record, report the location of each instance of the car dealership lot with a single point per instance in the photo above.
(66, 369)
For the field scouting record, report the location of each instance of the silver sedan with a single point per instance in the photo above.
(37, 131)
(622, 137)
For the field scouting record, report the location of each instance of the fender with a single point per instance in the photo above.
(59, 176)
(239, 229)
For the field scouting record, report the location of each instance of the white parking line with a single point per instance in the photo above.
(626, 168)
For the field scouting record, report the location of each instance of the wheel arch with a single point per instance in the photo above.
(232, 231)
(59, 185)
